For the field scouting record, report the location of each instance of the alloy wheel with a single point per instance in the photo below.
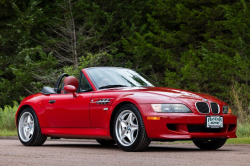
(26, 126)
(126, 128)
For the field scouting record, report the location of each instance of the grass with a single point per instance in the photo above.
(5, 132)
(7, 120)
(243, 130)
(7, 117)
(237, 141)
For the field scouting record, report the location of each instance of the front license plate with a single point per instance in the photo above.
(214, 122)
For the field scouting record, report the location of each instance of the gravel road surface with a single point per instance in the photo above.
(88, 152)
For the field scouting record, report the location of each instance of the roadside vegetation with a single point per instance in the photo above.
(243, 130)
(7, 120)
(7, 117)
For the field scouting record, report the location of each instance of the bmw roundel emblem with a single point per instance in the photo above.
(205, 99)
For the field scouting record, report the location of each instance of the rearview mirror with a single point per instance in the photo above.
(71, 89)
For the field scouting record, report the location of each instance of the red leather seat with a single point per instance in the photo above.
(70, 80)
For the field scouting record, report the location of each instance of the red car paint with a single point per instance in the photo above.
(82, 117)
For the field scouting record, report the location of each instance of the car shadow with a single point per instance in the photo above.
(77, 145)
(165, 148)
(151, 148)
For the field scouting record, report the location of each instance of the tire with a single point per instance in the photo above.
(28, 128)
(210, 144)
(129, 131)
(106, 142)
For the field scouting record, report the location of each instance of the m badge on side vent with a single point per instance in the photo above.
(101, 102)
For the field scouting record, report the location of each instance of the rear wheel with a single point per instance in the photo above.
(129, 131)
(28, 128)
(106, 142)
(210, 144)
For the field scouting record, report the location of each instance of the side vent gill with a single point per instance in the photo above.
(102, 101)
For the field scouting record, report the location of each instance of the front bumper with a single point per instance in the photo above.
(185, 126)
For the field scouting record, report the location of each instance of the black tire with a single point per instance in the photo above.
(141, 141)
(210, 144)
(37, 138)
(104, 142)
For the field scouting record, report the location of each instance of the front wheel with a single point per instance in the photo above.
(28, 128)
(210, 144)
(129, 131)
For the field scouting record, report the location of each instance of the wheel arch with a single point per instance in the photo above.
(115, 110)
(37, 138)
(20, 110)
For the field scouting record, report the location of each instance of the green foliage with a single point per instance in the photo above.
(20, 57)
(36, 39)
(243, 130)
(7, 117)
(240, 100)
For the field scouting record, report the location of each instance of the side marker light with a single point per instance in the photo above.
(153, 118)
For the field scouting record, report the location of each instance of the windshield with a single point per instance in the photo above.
(110, 77)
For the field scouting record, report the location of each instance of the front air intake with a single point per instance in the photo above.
(202, 107)
(202, 129)
(215, 108)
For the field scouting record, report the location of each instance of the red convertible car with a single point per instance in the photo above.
(120, 106)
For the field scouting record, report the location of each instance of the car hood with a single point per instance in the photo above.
(172, 93)
(178, 93)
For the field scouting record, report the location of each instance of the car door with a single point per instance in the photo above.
(65, 111)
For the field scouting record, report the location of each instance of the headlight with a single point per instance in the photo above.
(178, 108)
(226, 109)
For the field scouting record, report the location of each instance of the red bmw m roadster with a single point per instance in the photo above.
(121, 106)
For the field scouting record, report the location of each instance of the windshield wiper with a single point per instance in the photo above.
(112, 86)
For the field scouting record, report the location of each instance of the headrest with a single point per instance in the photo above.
(70, 80)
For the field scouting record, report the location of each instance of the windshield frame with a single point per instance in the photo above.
(154, 84)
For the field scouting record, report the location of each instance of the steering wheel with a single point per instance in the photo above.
(57, 89)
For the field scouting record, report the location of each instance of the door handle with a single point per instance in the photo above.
(52, 101)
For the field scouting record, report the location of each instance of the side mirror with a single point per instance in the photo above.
(71, 89)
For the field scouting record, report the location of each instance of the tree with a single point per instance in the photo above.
(40, 39)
